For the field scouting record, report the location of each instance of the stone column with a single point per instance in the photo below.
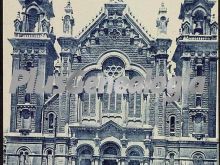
(123, 161)
(95, 161)
(123, 101)
(73, 160)
(185, 93)
(98, 107)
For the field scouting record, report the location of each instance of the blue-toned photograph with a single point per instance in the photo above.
(110, 82)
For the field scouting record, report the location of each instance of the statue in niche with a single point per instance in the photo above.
(17, 26)
(17, 23)
(67, 24)
(45, 27)
(163, 24)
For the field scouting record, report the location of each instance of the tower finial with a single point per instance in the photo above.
(68, 8)
(116, 1)
(162, 9)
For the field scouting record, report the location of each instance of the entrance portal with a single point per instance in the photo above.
(109, 162)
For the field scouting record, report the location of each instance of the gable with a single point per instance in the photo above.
(113, 24)
(110, 126)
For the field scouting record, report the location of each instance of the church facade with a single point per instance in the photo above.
(112, 128)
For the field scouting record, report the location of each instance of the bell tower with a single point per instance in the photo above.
(197, 51)
(196, 17)
(33, 47)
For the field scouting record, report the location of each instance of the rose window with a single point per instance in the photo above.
(113, 67)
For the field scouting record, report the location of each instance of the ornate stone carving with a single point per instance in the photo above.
(114, 34)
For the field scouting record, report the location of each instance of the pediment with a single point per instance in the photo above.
(110, 126)
(110, 129)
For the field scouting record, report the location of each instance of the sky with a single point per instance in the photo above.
(146, 11)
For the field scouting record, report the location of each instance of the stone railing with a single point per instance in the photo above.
(197, 38)
(31, 35)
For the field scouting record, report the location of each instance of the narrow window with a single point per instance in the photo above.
(49, 157)
(27, 98)
(51, 119)
(172, 125)
(198, 101)
(199, 70)
(26, 119)
(172, 160)
(33, 20)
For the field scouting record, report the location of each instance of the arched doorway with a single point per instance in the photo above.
(85, 154)
(135, 155)
(110, 153)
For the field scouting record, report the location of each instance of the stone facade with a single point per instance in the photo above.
(113, 129)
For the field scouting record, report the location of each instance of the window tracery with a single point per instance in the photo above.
(113, 67)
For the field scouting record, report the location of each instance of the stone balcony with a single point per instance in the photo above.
(30, 35)
(35, 35)
(197, 38)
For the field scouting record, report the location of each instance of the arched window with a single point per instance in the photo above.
(49, 157)
(109, 149)
(33, 19)
(23, 157)
(89, 101)
(51, 121)
(26, 119)
(172, 125)
(198, 100)
(198, 123)
(109, 152)
(114, 68)
(135, 155)
(171, 159)
(85, 155)
(199, 18)
(198, 159)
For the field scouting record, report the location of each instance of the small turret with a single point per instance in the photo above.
(68, 20)
(162, 21)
